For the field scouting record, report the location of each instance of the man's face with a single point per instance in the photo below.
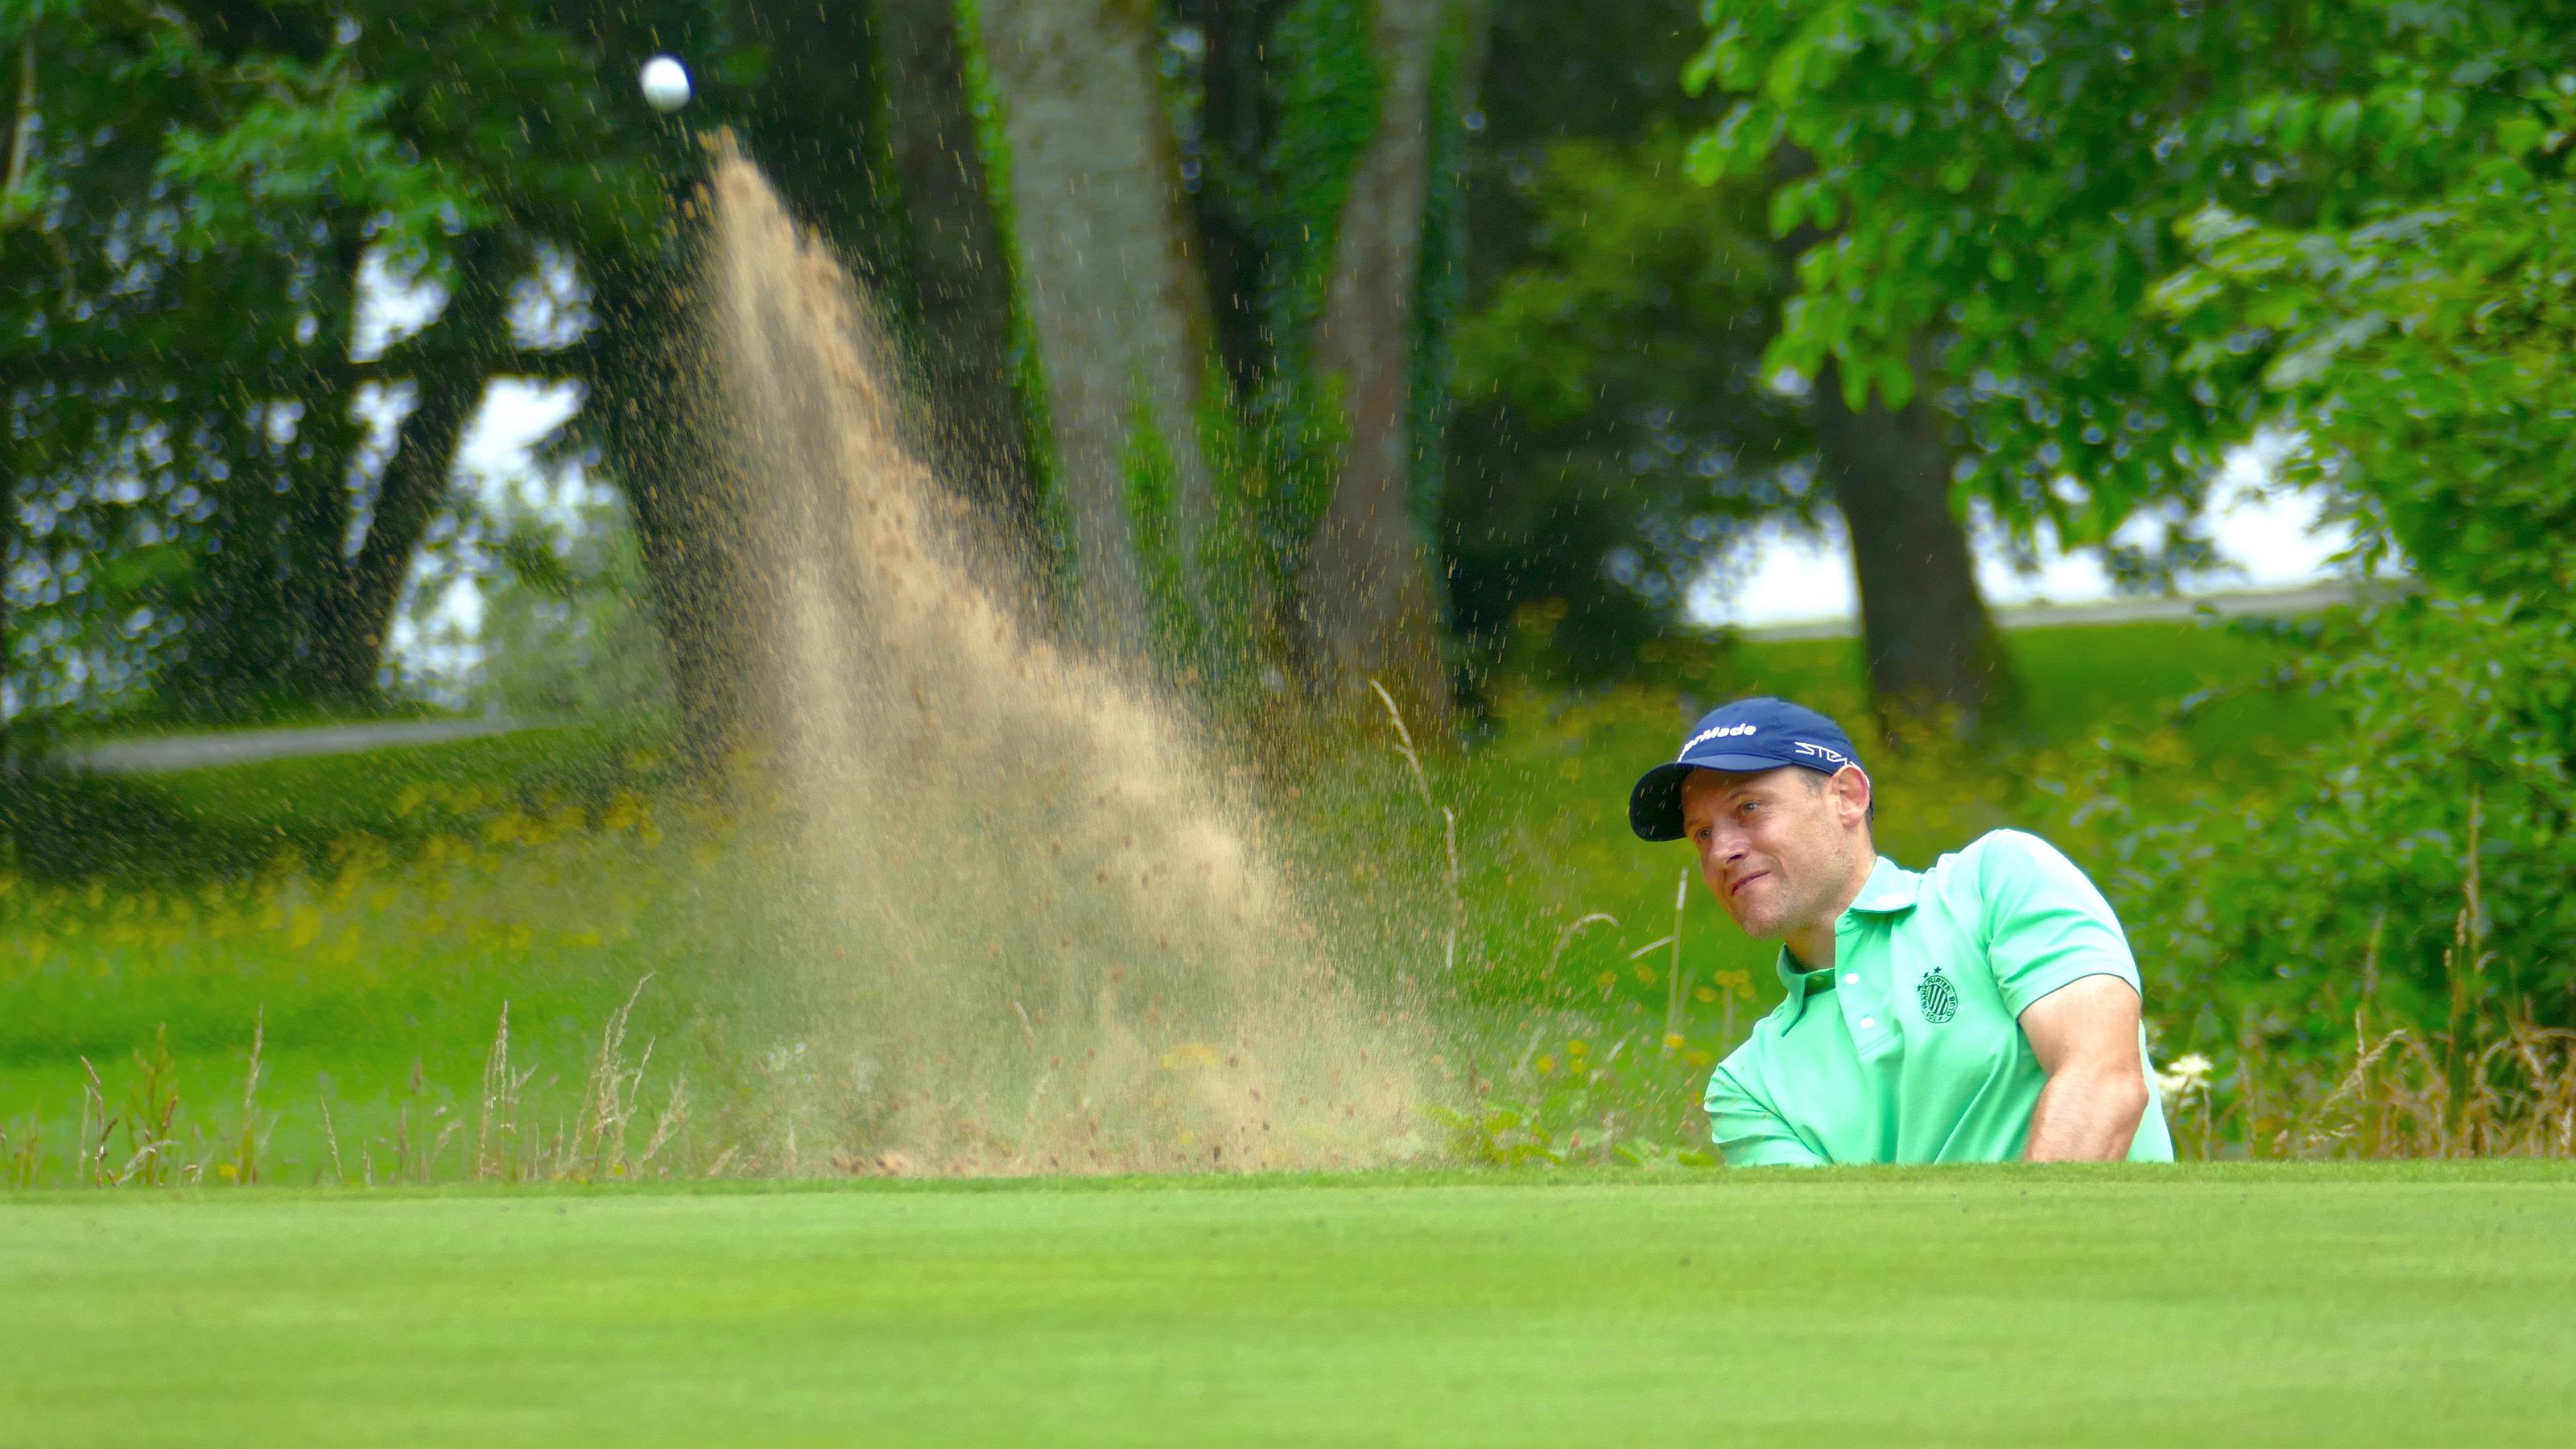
(1781, 848)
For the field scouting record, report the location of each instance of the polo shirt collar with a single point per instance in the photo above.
(1889, 889)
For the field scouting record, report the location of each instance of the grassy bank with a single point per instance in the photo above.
(368, 916)
(2390, 1305)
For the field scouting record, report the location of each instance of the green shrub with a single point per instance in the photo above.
(2411, 865)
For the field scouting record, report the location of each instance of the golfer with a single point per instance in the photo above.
(1982, 1010)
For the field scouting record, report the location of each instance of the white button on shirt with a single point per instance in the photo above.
(1868, 1022)
(1851, 978)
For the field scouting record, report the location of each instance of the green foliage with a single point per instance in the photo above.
(1953, 163)
(2423, 345)
(2278, 912)
(2012, 183)
(179, 349)
(567, 629)
(1621, 431)
(313, 141)
(1612, 430)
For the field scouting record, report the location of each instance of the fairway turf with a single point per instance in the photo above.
(2238, 1305)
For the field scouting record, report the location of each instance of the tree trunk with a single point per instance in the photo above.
(356, 613)
(1236, 132)
(1116, 295)
(1933, 652)
(961, 276)
(1369, 605)
(691, 521)
(809, 123)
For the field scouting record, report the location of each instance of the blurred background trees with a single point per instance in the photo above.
(1294, 342)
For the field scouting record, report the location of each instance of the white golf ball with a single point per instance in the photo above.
(666, 83)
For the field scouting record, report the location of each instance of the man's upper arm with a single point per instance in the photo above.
(1748, 1133)
(2046, 925)
(2093, 1020)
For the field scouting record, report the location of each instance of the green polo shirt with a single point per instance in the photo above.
(1911, 1048)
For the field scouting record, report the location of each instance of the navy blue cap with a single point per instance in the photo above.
(1761, 733)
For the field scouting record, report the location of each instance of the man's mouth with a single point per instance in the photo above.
(1736, 887)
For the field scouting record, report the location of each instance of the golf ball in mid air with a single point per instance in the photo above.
(666, 83)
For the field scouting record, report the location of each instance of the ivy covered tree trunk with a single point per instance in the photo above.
(1369, 604)
(1932, 648)
(959, 261)
(1117, 298)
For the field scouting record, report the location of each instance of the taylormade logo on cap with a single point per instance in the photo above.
(1719, 733)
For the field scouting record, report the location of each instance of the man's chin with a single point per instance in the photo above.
(1756, 922)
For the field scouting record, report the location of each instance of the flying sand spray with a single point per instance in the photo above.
(1026, 926)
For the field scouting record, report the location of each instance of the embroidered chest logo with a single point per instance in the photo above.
(1939, 998)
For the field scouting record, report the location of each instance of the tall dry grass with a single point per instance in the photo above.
(151, 1138)
(2490, 1083)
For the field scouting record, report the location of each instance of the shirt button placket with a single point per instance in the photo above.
(1844, 930)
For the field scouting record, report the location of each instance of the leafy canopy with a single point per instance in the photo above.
(2012, 179)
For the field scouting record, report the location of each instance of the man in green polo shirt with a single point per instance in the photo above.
(1982, 1010)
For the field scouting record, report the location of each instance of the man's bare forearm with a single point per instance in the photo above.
(2088, 1112)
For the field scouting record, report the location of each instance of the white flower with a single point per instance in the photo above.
(2189, 1073)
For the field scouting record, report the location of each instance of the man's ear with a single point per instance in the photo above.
(1852, 794)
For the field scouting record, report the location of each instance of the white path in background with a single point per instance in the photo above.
(165, 753)
(2247, 603)
(2269, 538)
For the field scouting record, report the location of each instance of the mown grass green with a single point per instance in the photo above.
(2413, 1304)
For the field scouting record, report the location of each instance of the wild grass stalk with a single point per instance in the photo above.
(331, 1139)
(94, 1114)
(248, 1136)
(1547, 976)
(1448, 823)
(2464, 965)
(152, 1115)
(496, 1128)
(2399, 1099)
(675, 1115)
(608, 1103)
(1673, 978)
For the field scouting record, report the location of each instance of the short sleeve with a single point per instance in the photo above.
(2046, 925)
(1749, 1134)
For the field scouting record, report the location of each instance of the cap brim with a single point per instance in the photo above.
(1655, 805)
